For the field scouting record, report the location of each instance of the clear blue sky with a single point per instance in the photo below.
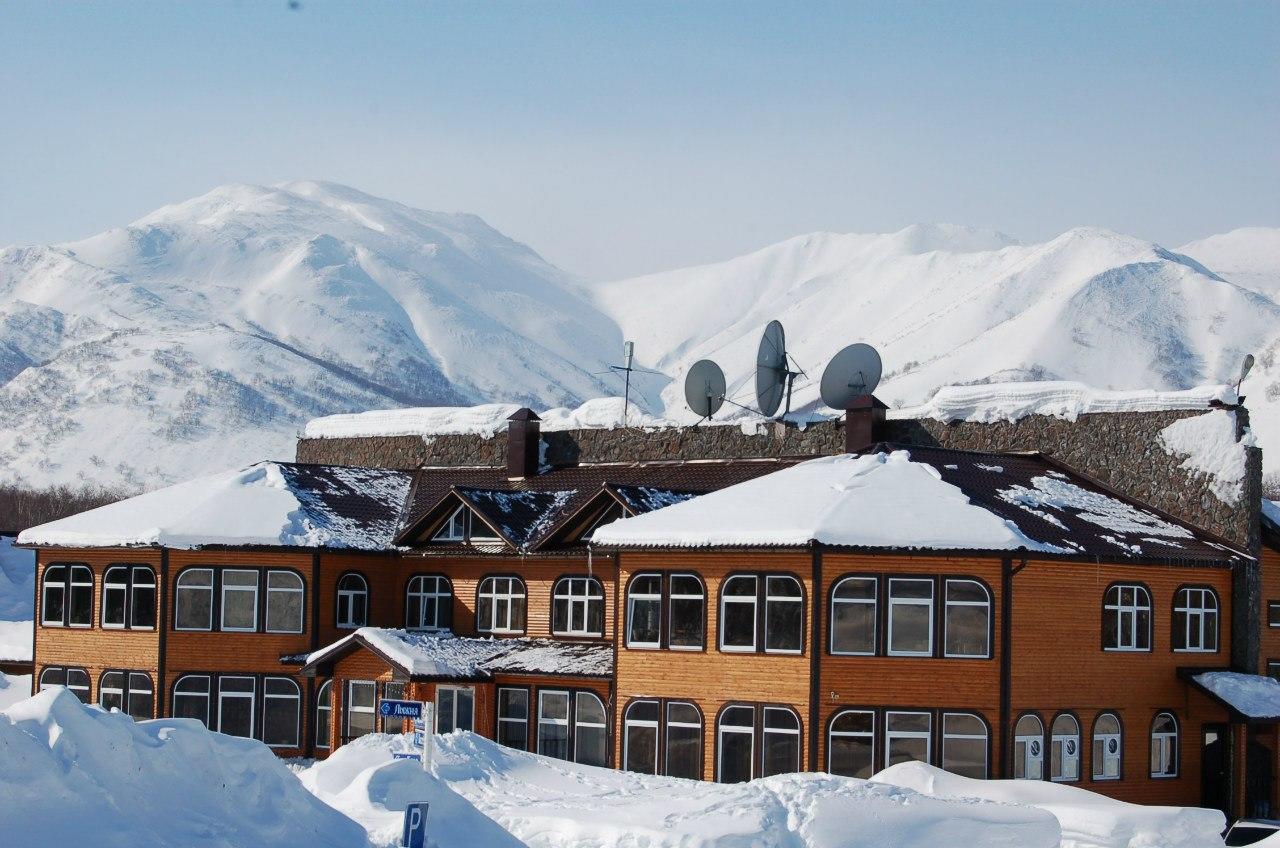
(619, 139)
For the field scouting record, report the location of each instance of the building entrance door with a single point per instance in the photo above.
(1215, 768)
(1259, 775)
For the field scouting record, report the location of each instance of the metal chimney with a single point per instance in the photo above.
(524, 434)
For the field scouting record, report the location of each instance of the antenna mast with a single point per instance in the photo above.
(628, 356)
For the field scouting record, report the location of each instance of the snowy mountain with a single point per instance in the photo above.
(207, 333)
(954, 305)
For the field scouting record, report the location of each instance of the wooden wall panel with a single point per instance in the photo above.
(1270, 638)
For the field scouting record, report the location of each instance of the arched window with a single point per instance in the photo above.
(851, 743)
(964, 745)
(1195, 619)
(1108, 747)
(781, 738)
(967, 623)
(285, 602)
(1164, 745)
(1028, 748)
(191, 696)
(738, 615)
(353, 601)
(735, 744)
(640, 737)
(193, 600)
(67, 596)
(644, 614)
(1064, 748)
(783, 615)
(577, 607)
(573, 722)
(324, 713)
(772, 604)
(281, 712)
(127, 691)
(1126, 618)
(684, 741)
(590, 730)
(853, 616)
(74, 679)
(129, 597)
(428, 603)
(500, 607)
(686, 609)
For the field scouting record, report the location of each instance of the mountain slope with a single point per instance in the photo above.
(206, 333)
(950, 305)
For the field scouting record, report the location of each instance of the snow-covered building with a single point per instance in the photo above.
(992, 612)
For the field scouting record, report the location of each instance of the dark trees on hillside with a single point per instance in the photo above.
(21, 508)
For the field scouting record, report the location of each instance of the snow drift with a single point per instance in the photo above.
(75, 775)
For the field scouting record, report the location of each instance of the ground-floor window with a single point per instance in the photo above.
(856, 749)
(75, 679)
(1028, 748)
(663, 737)
(851, 743)
(1064, 749)
(359, 709)
(235, 705)
(964, 744)
(129, 692)
(394, 692)
(1108, 747)
(1164, 746)
(907, 737)
(756, 741)
(191, 698)
(281, 712)
(573, 723)
(455, 708)
(324, 713)
(513, 717)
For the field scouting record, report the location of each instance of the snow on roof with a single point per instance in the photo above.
(1048, 494)
(1253, 696)
(520, 517)
(268, 503)
(446, 655)
(872, 500)
(482, 420)
(642, 499)
(1271, 513)
(1059, 398)
(1210, 447)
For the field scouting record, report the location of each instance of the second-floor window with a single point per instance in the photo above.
(284, 602)
(577, 607)
(1195, 619)
(66, 599)
(231, 598)
(910, 617)
(500, 605)
(761, 613)
(1126, 618)
(666, 611)
(353, 601)
(127, 691)
(853, 616)
(129, 597)
(429, 603)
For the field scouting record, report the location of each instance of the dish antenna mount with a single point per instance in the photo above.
(704, 388)
(774, 377)
(852, 372)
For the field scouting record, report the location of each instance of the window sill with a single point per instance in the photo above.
(644, 646)
(1127, 651)
(1195, 650)
(731, 649)
(917, 655)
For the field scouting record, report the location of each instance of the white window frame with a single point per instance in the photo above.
(1128, 642)
(665, 738)
(62, 585)
(798, 600)
(645, 597)
(296, 697)
(543, 695)
(925, 602)
(673, 596)
(766, 730)
(528, 709)
(722, 729)
(325, 723)
(890, 735)
(984, 738)
(1104, 738)
(832, 733)
(455, 528)
(1194, 619)
(603, 725)
(486, 535)
(872, 602)
(134, 586)
(103, 688)
(222, 596)
(1026, 741)
(348, 707)
(75, 571)
(207, 693)
(577, 593)
(135, 690)
(1058, 742)
(1171, 767)
(349, 595)
(212, 588)
(946, 616)
(123, 589)
(300, 590)
(251, 697)
(453, 718)
(515, 589)
(754, 600)
(442, 596)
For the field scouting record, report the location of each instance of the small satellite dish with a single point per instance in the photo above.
(704, 388)
(772, 375)
(853, 371)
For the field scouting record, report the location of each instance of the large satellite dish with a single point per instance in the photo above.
(704, 388)
(853, 371)
(773, 378)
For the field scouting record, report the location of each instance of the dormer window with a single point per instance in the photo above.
(610, 515)
(463, 526)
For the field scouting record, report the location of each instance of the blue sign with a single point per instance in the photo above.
(415, 826)
(400, 709)
(417, 738)
(406, 755)
(419, 724)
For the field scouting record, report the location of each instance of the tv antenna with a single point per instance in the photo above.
(773, 376)
(852, 372)
(704, 388)
(628, 356)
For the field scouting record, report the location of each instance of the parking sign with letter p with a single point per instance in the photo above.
(415, 826)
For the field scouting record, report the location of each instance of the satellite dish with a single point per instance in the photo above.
(772, 376)
(704, 388)
(853, 371)
(1245, 368)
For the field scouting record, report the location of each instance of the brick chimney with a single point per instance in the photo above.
(524, 434)
(863, 422)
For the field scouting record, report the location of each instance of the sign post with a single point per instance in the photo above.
(423, 715)
(415, 826)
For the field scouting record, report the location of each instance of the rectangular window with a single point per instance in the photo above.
(239, 600)
(906, 737)
(783, 615)
(284, 602)
(851, 744)
(590, 730)
(455, 708)
(53, 597)
(553, 724)
(780, 742)
(640, 744)
(910, 617)
(1273, 669)
(281, 712)
(115, 593)
(967, 619)
(686, 605)
(735, 745)
(142, 601)
(80, 608)
(684, 741)
(738, 614)
(964, 745)
(1273, 613)
(194, 601)
(644, 607)
(360, 708)
(235, 706)
(853, 616)
(513, 718)
(191, 698)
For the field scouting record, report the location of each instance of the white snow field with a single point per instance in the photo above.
(14, 688)
(17, 600)
(76, 775)
(487, 796)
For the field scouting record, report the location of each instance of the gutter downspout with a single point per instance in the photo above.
(815, 656)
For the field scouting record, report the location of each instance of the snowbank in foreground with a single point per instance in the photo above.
(1088, 820)
(75, 775)
(17, 582)
(486, 796)
(13, 688)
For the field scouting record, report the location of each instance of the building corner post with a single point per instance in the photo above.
(1006, 663)
(815, 656)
